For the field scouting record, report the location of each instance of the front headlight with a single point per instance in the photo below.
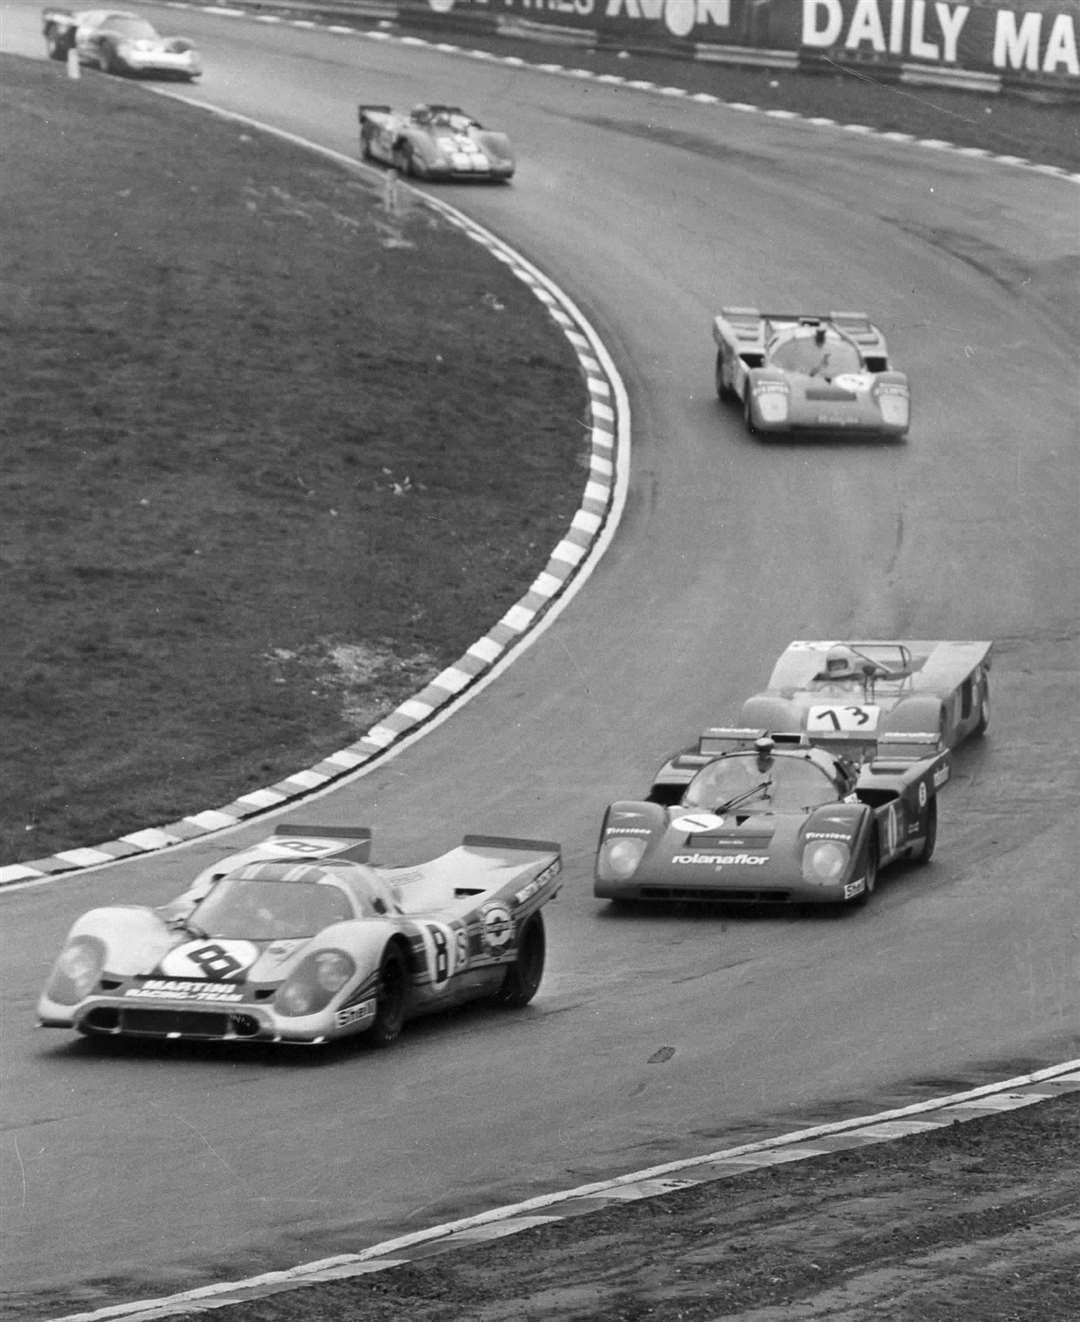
(825, 861)
(310, 986)
(77, 970)
(619, 857)
(333, 969)
(772, 405)
(894, 408)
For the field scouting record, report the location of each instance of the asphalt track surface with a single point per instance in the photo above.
(132, 1173)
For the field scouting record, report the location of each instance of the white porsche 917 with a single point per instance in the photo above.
(300, 939)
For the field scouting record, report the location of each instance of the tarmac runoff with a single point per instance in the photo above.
(502, 1222)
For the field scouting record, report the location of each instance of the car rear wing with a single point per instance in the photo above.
(511, 842)
(906, 747)
(730, 739)
(524, 872)
(359, 852)
(363, 112)
(58, 18)
(887, 745)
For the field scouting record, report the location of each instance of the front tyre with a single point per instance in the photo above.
(724, 391)
(391, 998)
(522, 980)
(926, 850)
(871, 871)
(56, 43)
(983, 723)
(404, 160)
(748, 413)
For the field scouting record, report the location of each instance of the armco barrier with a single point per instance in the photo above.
(992, 46)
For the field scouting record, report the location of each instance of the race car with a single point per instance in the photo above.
(853, 694)
(434, 142)
(299, 939)
(747, 817)
(117, 41)
(795, 372)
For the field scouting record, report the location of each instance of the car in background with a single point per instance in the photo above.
(299, 939)
(434, 142)
(746, 817)
(118, 41)
(853, 694)
(809, 373)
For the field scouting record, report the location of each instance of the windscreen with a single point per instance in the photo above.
(269, 910)
(130, 27)
(788, 784)
(832, 358)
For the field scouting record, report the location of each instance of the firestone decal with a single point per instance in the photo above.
(680, 17)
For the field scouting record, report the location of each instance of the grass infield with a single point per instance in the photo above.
(274, 458)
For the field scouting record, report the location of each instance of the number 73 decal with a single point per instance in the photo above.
(862, 720)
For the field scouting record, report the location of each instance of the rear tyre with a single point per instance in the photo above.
(926, 852)
(107, 58)
(522, 980)
(404, 161)
(391, 998)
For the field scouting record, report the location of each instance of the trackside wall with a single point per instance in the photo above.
(1032, 45)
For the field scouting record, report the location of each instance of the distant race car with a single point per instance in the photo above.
(117, 41)
(299, 939)
(745, 817)
(809, 373)
(434, 142)
(853, 694)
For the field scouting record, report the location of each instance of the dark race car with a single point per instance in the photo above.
(745, 817)
(117, 41)
(300, 939)
(824, 373)
(434, 142)
(851, 694)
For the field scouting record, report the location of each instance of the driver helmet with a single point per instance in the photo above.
(837, 663)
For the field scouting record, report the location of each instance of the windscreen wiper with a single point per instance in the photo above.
(742, 798)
